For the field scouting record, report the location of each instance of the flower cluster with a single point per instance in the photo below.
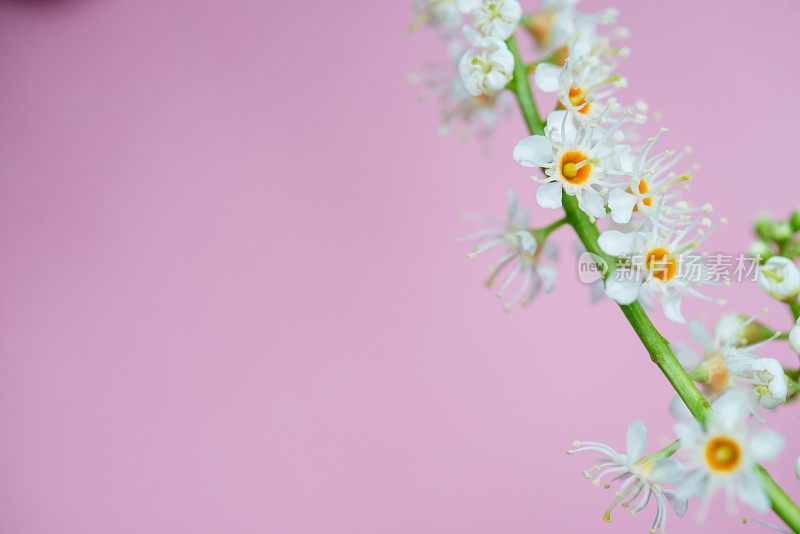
(593, 159)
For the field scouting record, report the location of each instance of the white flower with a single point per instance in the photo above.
(521, 252)
(657, 262)
(441, 14)
(711, 370)
(581, 86)
(794, 337)
(650, 191)
(493, 18)
(779, 278)
(769, 382)
(555, 25)
(477, 115)
(723, 454)
(487, 69)
(638, 475)
(573, 159)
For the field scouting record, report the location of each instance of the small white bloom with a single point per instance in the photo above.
(493, 18)
(650, 190)
(574, 159)
(471, 115)
(769, 383)
(794, 337)
(779, 278)
(638, 475)
(487, 69)
(723, 454)
(521, 252)
(443, 15)
(581, 87)
(657, 262)
(716, 377)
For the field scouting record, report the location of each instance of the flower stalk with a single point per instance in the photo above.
(656, 345)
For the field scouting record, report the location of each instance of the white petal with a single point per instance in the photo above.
(635, 440)
(534, 151)
(622, 286)
(750, 492)
(730, 410)
(466, 6)
(766, 445)
(678, 409)
(546, 77)
(689, 433)
(686, 355)
(621, 204)
(794, 338)
(679, 502)
(672, 307)
(739, 361)
(700, 334)
(591, 202)
(668, 471)
(549, 195)
(527, 243)
(549, 275)
(615, 243)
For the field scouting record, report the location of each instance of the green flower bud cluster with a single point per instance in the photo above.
(776, 237)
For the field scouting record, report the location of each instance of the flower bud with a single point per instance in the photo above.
(794, 220)
(760, 250)
(779, 278)
(781, 232)
(763, 227)
(794, 337)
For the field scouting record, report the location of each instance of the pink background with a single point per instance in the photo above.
(229, 296)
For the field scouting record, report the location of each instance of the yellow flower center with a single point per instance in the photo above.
(661, 264)
(723, 454)
(643, 188)
(577, 98)
(575, 168)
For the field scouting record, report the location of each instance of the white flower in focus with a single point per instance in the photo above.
(723, 454)
(794, 337)
(638, 475)
(765, 375)
(658, 262)
(581, 86)
(493, 18)
(522, 253)
(441, 14)
(573, 159)
(779, 278)
(487, 69)
(651, 192)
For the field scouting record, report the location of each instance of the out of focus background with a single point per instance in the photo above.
(230, 300)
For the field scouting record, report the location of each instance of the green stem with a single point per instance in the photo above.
(550, 228)
(657, 346)
(522, 89)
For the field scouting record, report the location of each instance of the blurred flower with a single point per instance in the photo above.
(443, 15)
(794, 337)
(723, 454)
(779, 278)
(521, 252)
(493, 18)
(638, 475)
